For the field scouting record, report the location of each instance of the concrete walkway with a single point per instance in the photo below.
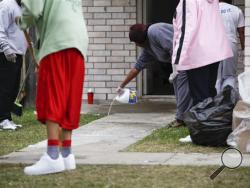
(101, 141)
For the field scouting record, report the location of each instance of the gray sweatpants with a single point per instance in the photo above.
(183, 98)
(227, 71)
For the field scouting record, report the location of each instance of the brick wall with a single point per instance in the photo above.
(241, 65)
(110, 55)
(247, 34)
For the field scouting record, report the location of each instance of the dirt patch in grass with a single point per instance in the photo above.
(31, 132)
(167, 140)
(127, 177)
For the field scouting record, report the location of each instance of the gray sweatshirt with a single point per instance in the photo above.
(159, 46)
(12, 39)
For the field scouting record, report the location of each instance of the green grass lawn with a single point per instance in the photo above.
(167, 140)
(122, 176)
(31, 132)
(116, 176)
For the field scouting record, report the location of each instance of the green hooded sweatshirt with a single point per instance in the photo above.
(60, 25)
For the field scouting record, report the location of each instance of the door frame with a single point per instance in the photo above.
(141, 81)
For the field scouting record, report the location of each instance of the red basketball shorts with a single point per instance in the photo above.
(59, 89)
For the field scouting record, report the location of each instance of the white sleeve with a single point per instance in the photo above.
(4, 24)
(241, 20)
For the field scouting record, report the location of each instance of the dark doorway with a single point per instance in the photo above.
(161, 10)
(157, 76)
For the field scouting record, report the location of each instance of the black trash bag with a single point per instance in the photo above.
(210, 121)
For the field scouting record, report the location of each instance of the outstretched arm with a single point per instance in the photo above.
(143, 61)
(131, 75)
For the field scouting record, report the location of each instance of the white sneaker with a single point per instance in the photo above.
(7, 125)
(16, 125)
(70, 162)
(186, 139)
(46, 165)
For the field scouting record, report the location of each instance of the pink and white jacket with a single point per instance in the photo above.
(199, 35)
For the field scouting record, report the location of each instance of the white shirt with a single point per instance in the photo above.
(233, 18)
(12, 39)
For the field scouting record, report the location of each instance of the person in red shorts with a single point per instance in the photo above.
(61, 48)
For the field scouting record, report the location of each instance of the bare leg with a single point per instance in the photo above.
(53, 139)
(66, 134)
(52, 130)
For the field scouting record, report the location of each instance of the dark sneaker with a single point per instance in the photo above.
(177, 123)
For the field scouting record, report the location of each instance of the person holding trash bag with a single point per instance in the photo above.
(156, 43)
(12, 48)
(62, 47)
(199, 43)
